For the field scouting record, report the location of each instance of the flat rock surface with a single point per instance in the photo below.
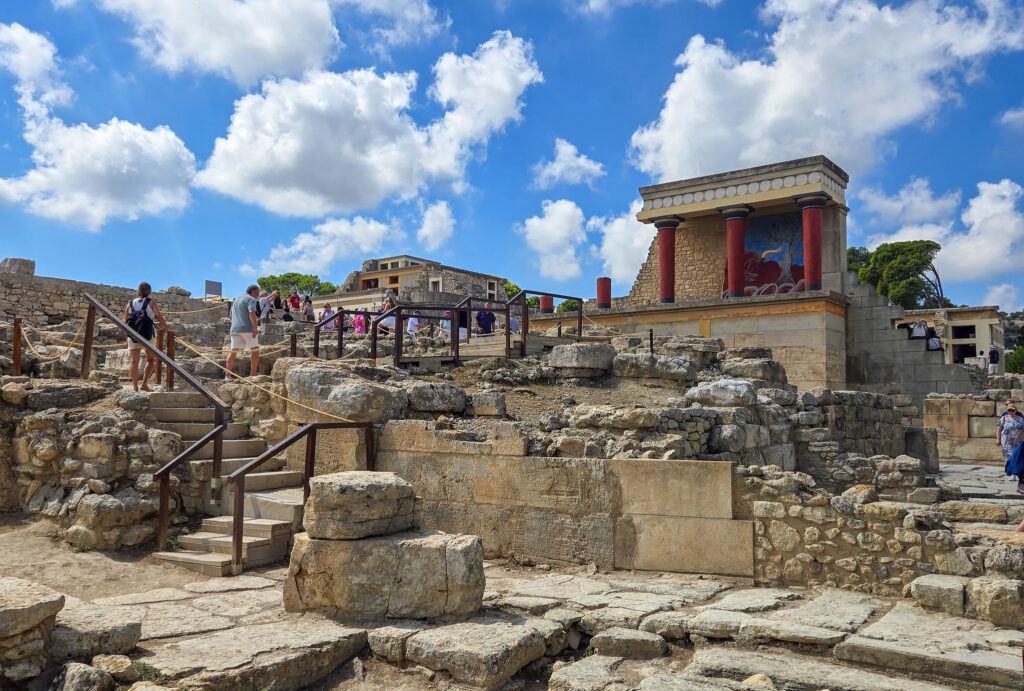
(259, 656)
(791, 672)
(833, 609)
(24, 605)
(486, 651)
(158, 595)
(85, 629)
(593, 673)
(913, 640)
(753, 600)
(239, 603)
(222, 585)
(171, 619)
(628, 643)
(561, 586)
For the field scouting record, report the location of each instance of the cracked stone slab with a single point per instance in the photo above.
(723, 623)
(642, 603)
(85, 629)
(171, 619)
(912, 640)
(593, 673)
(143, 598)
(222, 585)
(629, 643)
(836, 609)
(753, 600)
(522, 604)
(239, 603)
(560, 587)
(389, 642)
(486, 651)
(24, 605)
(671, 625)
(261, 656)
(790, 672)
(696, 591)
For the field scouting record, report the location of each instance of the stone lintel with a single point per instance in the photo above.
(764, 186)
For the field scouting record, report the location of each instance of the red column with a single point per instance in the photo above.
(667, 258)
(547, 304)
(811, 206)
(604, 293)
(735, 223)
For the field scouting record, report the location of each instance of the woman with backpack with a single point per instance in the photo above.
(139, 314)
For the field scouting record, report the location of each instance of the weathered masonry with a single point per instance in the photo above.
(757, 257)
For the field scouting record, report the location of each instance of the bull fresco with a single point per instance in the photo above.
(773, 261)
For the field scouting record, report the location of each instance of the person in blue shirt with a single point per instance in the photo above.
(485, 320)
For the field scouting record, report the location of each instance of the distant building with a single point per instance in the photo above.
(966, 332)
(410, 279)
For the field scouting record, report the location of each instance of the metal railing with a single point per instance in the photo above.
(308, 432)
(220, 409)
(520, 297)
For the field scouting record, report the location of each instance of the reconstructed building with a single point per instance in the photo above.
(411, 279)
(966, 333)
(757, 257)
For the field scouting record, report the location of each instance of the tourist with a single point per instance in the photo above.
(412, 324)
(293, 301)
(513, 323)
(277, 299)
(266, 306)
(307, 310)
(359, 323)
(245, 330)
(444, 326)
(327, 313)
(286, 315)
(1010, 430)
(993, 360)
(485, 320)
(386, 324)
(139, 314)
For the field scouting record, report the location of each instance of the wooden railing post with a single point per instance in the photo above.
(165, 496)
(90, 323)
(508, 331)
(341, 337)
(371, 448)
(524, 328)
(559, 332)
(398, 338)
(159, 346)
(309, 468)
(17, 347)
(579, 320)
(292, 345)
(170, 354)
(316, 341)
(237, 526)
(650, 335)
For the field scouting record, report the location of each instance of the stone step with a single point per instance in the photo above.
(218, 542)
(233, 448)
(183, 414)
(206, 563)
(251, 527)
(193, 431)
(177, 399)
(204, 467)
(283, 504)
(274, 479)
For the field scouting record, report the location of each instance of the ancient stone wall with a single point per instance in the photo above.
(700, 265)
(40, 300)
(966, 424)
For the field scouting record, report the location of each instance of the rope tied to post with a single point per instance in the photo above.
(47, 358)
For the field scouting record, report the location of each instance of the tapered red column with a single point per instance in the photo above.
(667, 258)
(812, 206)
(604, 293)
(735, 225)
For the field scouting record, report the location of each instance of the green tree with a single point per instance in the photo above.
(905, 273)
(511, 290)
(857, 258)
(303, 284)
(567, 306)
(1015, 361)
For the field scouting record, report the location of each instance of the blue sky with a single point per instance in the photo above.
(222, 139)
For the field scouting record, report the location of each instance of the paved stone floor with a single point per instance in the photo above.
(574, 629)
(981, 481)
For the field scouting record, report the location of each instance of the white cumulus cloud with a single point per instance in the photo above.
(1014, 118)
(915, 203)
(990, 241)
(406, 21)
(316, 251)
(569, 166)
(86, 175)
(837, 78)
(606, 7)
(554, 236)
(438, 226)
(1005, 295)
(624, 243)
(338, 142)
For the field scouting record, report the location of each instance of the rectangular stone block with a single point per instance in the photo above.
(688, 545)
(675, 488)
(356, 504)
(953, 427)
(982, 427)
(983, 408)
(970, 451)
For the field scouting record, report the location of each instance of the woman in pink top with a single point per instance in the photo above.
(359, 324)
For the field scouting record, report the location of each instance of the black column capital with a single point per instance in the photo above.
(814, 200)
(735, 211)
(668, 222)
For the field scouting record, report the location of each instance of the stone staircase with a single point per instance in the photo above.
(273, 496)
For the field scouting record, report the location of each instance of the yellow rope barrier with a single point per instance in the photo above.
(264, 390)
(47, 358)
(62, 341)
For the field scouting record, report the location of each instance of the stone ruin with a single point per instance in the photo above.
(600, 466)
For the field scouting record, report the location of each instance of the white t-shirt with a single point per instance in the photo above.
(137, 305)
(412, 325)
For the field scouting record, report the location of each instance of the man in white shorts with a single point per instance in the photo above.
(245, 316)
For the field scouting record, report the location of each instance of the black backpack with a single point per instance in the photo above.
(140, 321)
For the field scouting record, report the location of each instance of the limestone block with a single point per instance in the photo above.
(356, 504)
(629, 643)
(764, 369)
(651, 366)
(118, 666)
(486, 403)
(84, 630)
(998, 600)
(982, 427)
(14, 265)
(592, 673)
(611, 417)
(582, 356)
(416, 574)
(78, 677)
(330, 387)
(435, 397)
(25, 605)
(724, 393)
(945, 593)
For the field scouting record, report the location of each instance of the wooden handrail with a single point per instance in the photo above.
(525, 326)
(308, 431)
(164, 476)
